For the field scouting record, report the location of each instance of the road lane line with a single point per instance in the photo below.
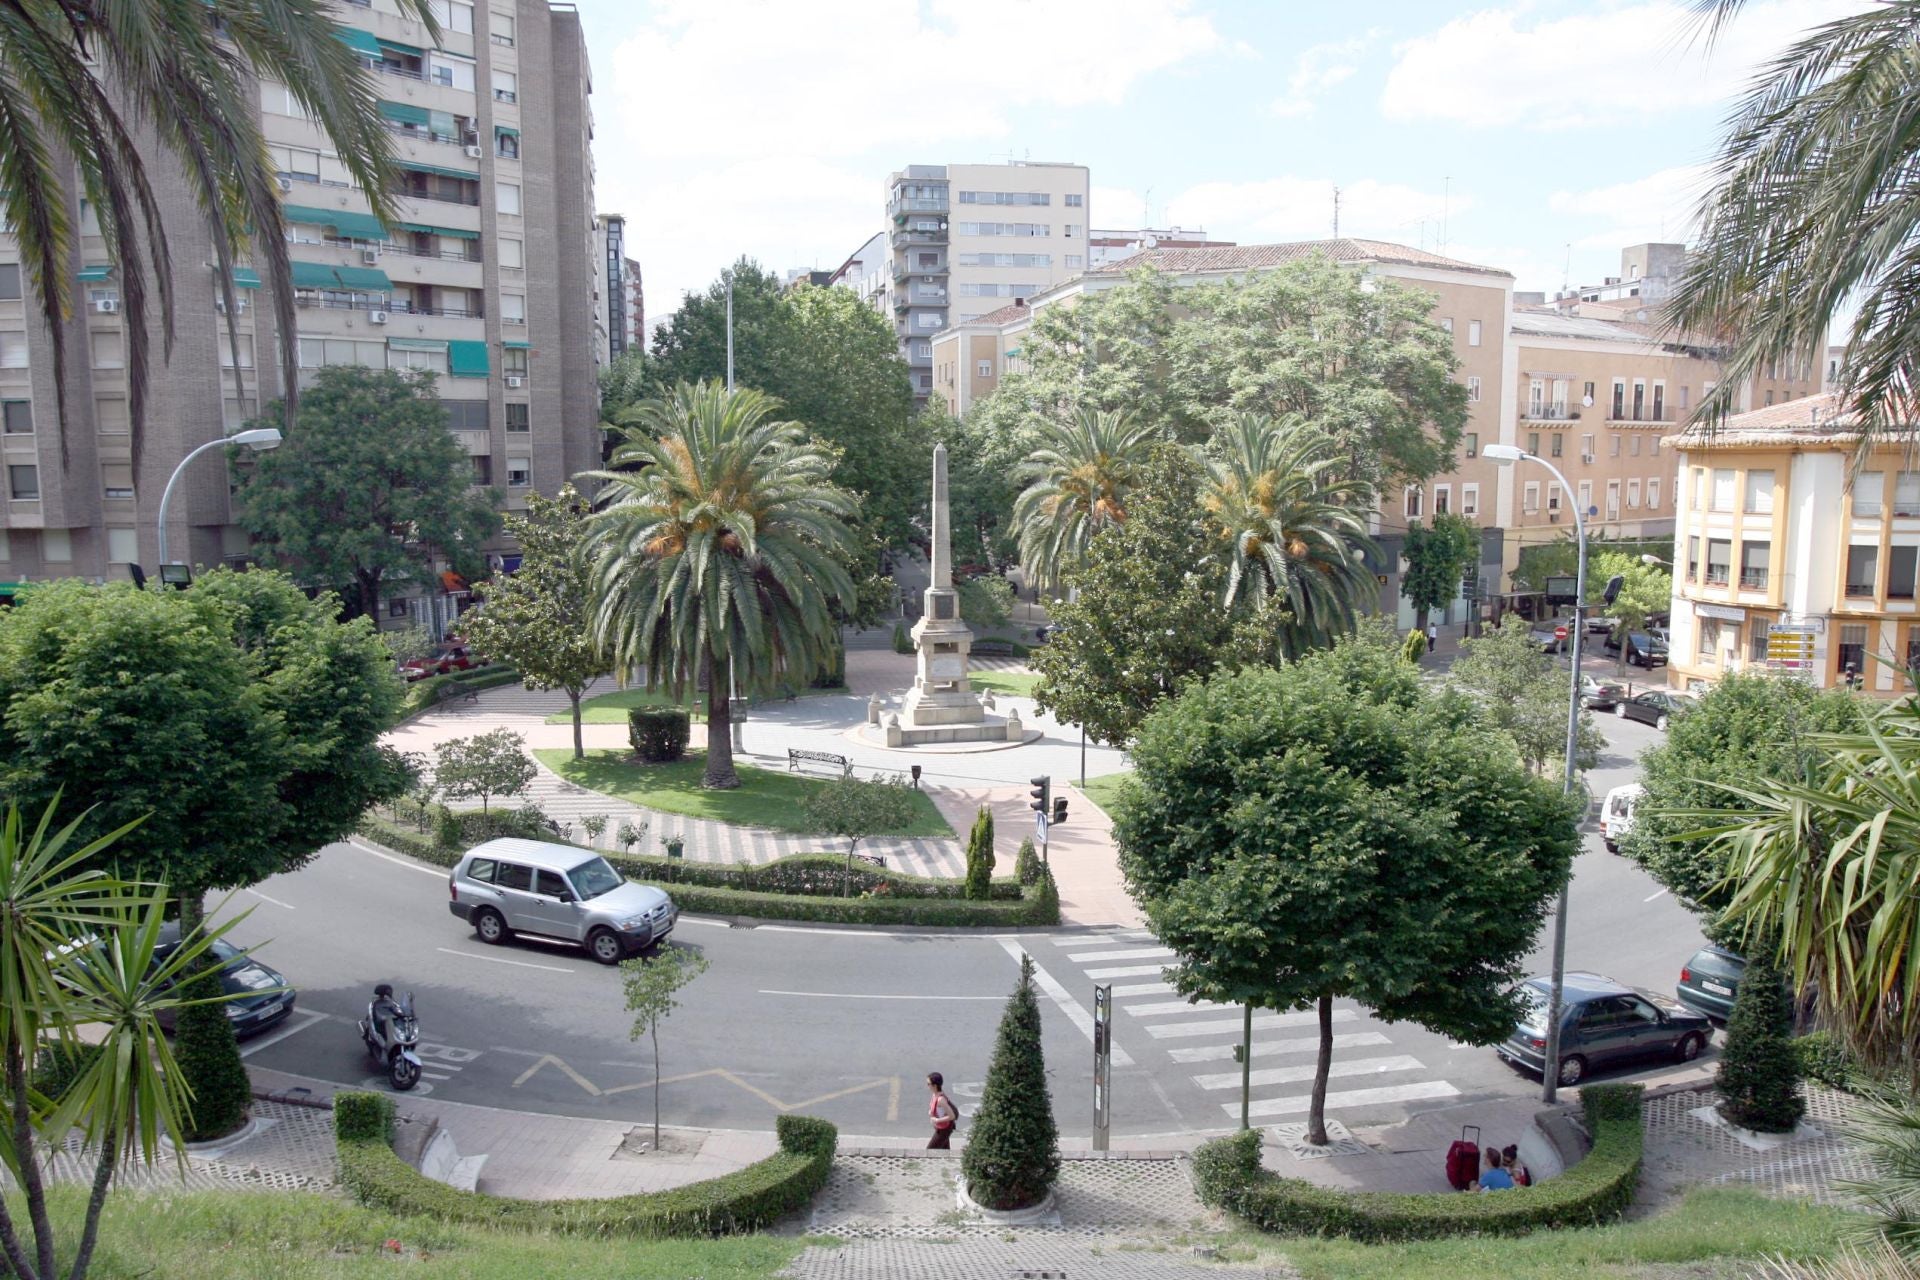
(1349, 1098)
(1135, 953)
(283, 1033)
(711, 924)
(1264, 1048)
(398, 862)
(1068, 1005)
(264, 898)
(1294, 1075)
(861, 995)
(1662, 893)
(1233, 1026)
(522, 964)
(1128, 971)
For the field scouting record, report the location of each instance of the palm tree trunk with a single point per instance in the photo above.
(1317, 1109)
(96, 1201)
(720, 774)
(579, 749)
(30, 1181)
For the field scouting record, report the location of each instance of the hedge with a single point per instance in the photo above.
(779, 890)
(422, 694)
(744, 1200)
(1228, 1175)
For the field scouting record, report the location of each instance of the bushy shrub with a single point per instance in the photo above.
(58, 1065)
(658, 734)
(1026, 862)
(209, 1061)
(980, 857)
(1824, 1058)
(834, 674)
(362, 1117)
(902, 642)
(1759, 1079)
(1013, 1155)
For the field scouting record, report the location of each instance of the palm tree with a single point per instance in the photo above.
(1814, 201)
(1294, 525)
(721, 553)
(1079, 475)
(108, 89)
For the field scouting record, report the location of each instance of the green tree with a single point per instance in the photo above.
(1560, 558)
(653, 984)
(1294, 530)
(1437, 559)
(721, 554)
(1330, 829)
(986, 602)
(1522, 694)
(1013, 1157)
(854, 808)
(1814, 212)
(1146, 619)
(1759, 1075)
(982, 466)
(483, 766)
(537, 617)
(1646, 591)
(1080, 477)
(106, 90)
(980, 856)
(368, 487)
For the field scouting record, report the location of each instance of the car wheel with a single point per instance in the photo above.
(605, 946)
(1572, 1071)
(1661, 724)
(492, 929)
(1689, 1047)
(1620, 709)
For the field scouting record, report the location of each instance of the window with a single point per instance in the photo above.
(506, 87)
(109, 351)
(1005, 197)
(1473, 389)
(1901, 563)
(1587, 394)
(110, 417)
(513, 254)
(1863, 570)
(1659, 406)
(1072, 230)
(1619, 399)
(1536, 398)
(1003, 228)
(513, 362)
(482, 469)
(9, 282)
(275, 100)
(506, 144)
(1653, 446)
(1473, 444)
(1586, 497)
(243, 342)
(506, 197)
(1723, 489)
(1005, 259)
(466, 415)
(1769, 399)
(1639, 399)
(519, 473)
(1413, 502)
(513, 309)
(929, 320)
(116, 479)
(1719, 561)
(1851, 652)
(1693, 558)
(56, 545)
(1906, 493)
(1633, 495)
(1075, 261)
(432, 361)
(1586, 448)
(1446, 322)
(1653, 493)
(1699, 488)
(1868, 488)
(1709, 629)
(1553, 497)
(518, 419)
(1530, 497)
(502, 25)
(983, 368)
(1913, 633)
(1633, 446)
(923, 350)
(454, 73)
(1558, 439)
(1442, 499)
(23, 483)
(1469, 499)
(454, 16)
(1757, 640)
(18, 415)
(1613, 445)
(1473, 333)
(1755, 559)
(1075, 200)
(1533, 443)
(123, 546)
(1683, 409)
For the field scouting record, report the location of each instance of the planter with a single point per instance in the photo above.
(1046, 1213)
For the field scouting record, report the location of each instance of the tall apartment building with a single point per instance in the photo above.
(968, 239)
(867, 272)
(485, 278)
(612, 297)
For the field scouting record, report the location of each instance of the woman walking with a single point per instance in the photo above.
(945, 1114)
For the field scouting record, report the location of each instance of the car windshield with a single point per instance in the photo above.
(1535, 1002)
(591, 879)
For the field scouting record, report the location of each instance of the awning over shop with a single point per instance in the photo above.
(404, 112)
(93, 275)
(361, 42)
(349, 225)
(467, 359)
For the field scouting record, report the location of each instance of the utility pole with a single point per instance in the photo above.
(729, 328)
(1336, 213)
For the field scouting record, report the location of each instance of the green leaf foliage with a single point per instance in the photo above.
(1080, 477)
(659, 734)
(483, 766)
(980, 856)
(1521, 692)
(209, 1058)
(986, 602)
(1438, 556)
(367, 488)
(1759, 1076)
(1012, 1157)
(1646, 591)
(1561, 558)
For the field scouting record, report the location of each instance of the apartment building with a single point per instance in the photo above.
(486, 278)
(867, 272)
(1790, 559)
(969, 239)
(622, 310)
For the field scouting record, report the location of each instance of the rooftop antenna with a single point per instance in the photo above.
(1146, 211)
(1336, 213)
(1566, 271)
(1446, 207)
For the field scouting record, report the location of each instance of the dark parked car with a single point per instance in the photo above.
(262, 997)
(1603, 1025)
(1710, 981)
(1600, 695)
(1655, 707)
(1643, 649)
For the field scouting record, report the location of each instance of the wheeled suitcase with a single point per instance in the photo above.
(1463, 1158)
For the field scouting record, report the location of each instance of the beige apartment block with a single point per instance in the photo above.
(487, 278)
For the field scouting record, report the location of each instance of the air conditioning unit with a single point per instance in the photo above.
(376, 317)
(286, 184)
(106, 306)
(371, 257)
(473, 153)
(1587, 458)
(516, 381)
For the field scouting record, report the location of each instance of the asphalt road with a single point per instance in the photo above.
(845, 1023)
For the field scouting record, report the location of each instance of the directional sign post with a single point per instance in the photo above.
(1102, 1061)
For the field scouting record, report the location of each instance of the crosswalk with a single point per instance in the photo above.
(1365, 1071)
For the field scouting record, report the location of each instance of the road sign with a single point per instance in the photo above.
(1040, 827)
(1790, 649)
(1102, 1061)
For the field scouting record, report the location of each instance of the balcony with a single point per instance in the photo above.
(1753, 580)
(1717, 577)
(1859, 591)
(918, 235)
(403, 307)
(1551, 413)
(917, 204)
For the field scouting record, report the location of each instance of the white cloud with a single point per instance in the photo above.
(1627, 62)
(1295, 208)
(1318, 69)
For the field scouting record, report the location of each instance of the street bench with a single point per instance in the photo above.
(993, 649)
(818, 759)
(443, 1163)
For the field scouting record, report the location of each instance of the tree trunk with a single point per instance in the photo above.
(96, 1201)
(1317, 1111)
(30, 1180)
(579, 749)
(369, 584)
(720, 775)
(653, 1033)
(1420, 619)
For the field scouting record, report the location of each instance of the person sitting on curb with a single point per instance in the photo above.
(1510, 1161)
(1494, 1178)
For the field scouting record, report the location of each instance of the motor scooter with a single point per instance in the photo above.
(392, 1045)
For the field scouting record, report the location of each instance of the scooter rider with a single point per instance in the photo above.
(383, 1008)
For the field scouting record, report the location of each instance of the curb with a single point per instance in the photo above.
(921, 1153)
(294, 1098)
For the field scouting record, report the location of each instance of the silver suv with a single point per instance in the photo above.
(510, 886)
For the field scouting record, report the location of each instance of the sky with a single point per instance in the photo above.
(1541, 136)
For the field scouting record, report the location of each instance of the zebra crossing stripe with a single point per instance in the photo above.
(1294, 1075)
(1233, 1026)
(1350, 1098)
(1129, 971)
(1137, 953)
(1267, 1048)
(1177, 1006)
(1143, 989)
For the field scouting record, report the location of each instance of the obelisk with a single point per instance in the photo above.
(941, 693)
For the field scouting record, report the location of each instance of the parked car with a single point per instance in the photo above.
(445, 658)
(1616, 814)
(1643, 649)
(1603, 1024)
(1710, 981)
(1549, 635)
(1655, 707)
(558, 891)
(1600, 695)
(262, 997)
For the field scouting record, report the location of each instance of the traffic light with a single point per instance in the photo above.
(1059, 810)
(1042, 794)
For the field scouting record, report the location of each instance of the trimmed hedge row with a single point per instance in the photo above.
(1228, 1175)
(775, 890)
(436, 689)
(744, 1200)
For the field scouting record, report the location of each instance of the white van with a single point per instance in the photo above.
(1616, 814)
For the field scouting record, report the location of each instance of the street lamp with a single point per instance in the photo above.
(1506, 455)
(1656, 562)
(256, 438)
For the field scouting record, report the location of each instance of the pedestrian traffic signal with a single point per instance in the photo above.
(1059, 810)
(1042, 794)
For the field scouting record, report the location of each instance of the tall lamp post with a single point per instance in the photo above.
(261, 438)
(1506, 455)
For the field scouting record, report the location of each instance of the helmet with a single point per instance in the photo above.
(384, 990)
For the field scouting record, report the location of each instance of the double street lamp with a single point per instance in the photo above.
(256, 438)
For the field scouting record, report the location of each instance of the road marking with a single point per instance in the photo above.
(1262, 1049)
(547, 1059)
(860, 995)
(1657, 895)
(1136, 953)
(398, 862)
(264, 898)
(1144, 989)
(1102, 940)
(1349, 1098)
(1068, 1005)
(282, 1034)
(522, 964)
(1177, 1006)
(710, 924)
(1294, 1075)
(1233, 1026)
(1128, 971)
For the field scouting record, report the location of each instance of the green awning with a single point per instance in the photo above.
(426, 230)
(92, 275)
(461, 174)
(351, 226)
(467, 359)
(416, 344)
(313, 275)
(318, 275)
(412, 51)
(440, 124)
(515, 345)
(246, 278)
(362, 42)
(403, 112)
(500, 128)
(364, 279)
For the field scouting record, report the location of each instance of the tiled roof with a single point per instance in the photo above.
(1254, 257)
(1012, 311)
(1818, 419)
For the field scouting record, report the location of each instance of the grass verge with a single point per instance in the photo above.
(764, 798)
(1016, 684)
(612, 708)
(1104, 790)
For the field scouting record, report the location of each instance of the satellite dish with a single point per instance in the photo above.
(1586, 401)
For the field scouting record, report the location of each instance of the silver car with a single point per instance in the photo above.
(510, 886)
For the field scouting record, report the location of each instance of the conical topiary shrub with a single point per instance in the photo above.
(1759, 1079)
(209, 1061)
(980, 857)
(1013, 1154)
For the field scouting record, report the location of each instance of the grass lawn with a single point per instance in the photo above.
(612, 708)
(1017, 684)
(1713, 1232)
(1105, 789)
(765, 797)
(244, 1235)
